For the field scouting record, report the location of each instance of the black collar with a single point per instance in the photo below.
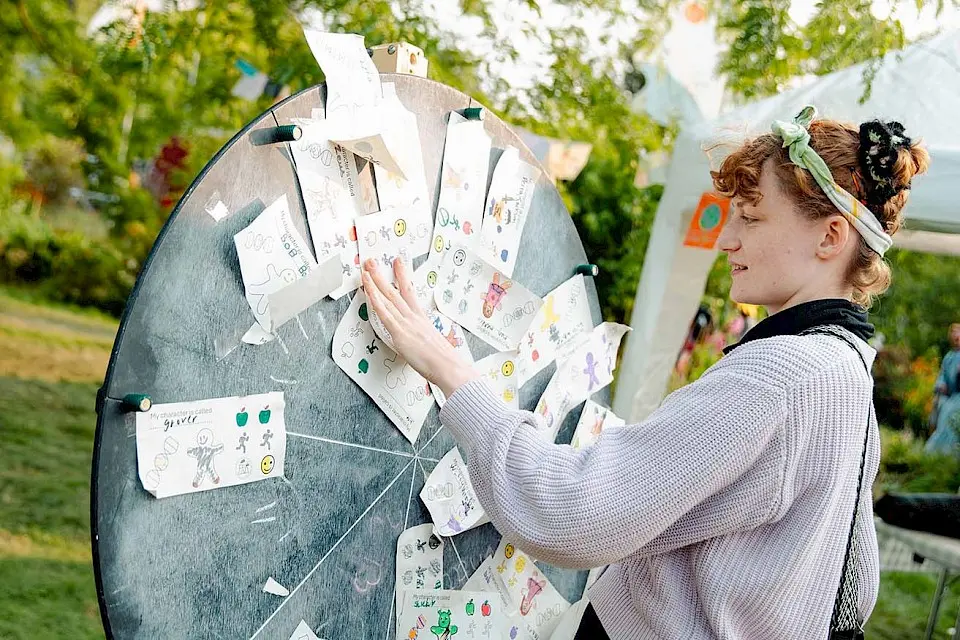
(794, 320)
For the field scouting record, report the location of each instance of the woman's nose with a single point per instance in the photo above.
(728, 240)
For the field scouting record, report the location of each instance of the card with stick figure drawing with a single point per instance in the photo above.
(419, 559)
(185, 447)
(393, 233)
(331, 194)
(506, 210)
(563, 320)
(450, 615)
(463, 185)
(499, 371)
(539, 605)
(450, 498)
(484, 301)
(400, 392)
(585, 371)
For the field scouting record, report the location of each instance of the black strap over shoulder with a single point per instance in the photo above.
(845, 622)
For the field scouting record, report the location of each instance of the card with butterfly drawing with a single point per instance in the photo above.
(483, 300)
(400, 392)
(563, 320)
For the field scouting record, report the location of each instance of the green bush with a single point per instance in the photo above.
(903, 388)
(906, 467)
(66, 266)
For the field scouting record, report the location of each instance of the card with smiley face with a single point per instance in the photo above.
(185, 447)
(585, 371)
(499, 371)
(506, 211)
(484, 301)
(393, 233)
(538, 604)
(332, 197)
(400, 392)
(450, 615)
(463, 184)
(450, 498)
(273, 255)
(562, 321)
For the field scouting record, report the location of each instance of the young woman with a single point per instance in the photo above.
(727, 512)
(946, 437)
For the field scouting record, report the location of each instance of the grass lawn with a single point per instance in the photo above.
(51, 363)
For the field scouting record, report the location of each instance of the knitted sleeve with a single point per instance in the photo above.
(596, 506)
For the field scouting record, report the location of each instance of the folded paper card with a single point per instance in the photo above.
(450, 498)
(585, 371)
(400, 392)
(450, 615)
(507, 209)
(563, 320)
(484, 301)
(185, 447)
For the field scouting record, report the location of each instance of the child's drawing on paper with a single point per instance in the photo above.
(506, 210)
(492, 300)
(562, 322)
(204, 453)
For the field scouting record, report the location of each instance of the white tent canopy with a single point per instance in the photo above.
(919, 86)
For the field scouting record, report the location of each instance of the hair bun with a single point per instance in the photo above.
(880, 145)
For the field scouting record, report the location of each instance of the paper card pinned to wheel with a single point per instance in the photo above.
(499, 371)
(450, 498)
(594, 419)
(186, 447)
(539, 606)
(455, 336)
(274, 256)
(419, 559)
(400, 392)
(585, 371)
(484, 301)
(450, 615)
(563, 320)
(409, 188)
(507, 209)
(352, 79)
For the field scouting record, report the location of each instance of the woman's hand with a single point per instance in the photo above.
(414, 336)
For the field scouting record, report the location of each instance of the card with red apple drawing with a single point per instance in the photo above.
(455, 336)
(272, 255)
(538, 603)
(506, 210)
(499, 371)
(186, 447)
(593, 420)
(463, 185)
(408, 189)
(450, 498)
(400, 392)
(585, 371)
(484, 301)
(450, 615)
(561, 322)
(390, 234)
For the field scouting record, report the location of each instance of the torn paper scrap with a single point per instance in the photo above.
(419, 559)
(463, 185)
(400, 392)
(450, 498)
(593, 420)
(393, 233)
(450, 615)
(330, 185)
(499, 371)
(585, 371)
(272, 255)
(538, 602)
(561, 322)
(352, 79)
(274, 587)
(484, 301)
(218, 211)
(410, 187)
(185, 447)
(507, 208)
(455, 336)
(303, 632)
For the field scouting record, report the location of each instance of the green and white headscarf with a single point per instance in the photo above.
(796, 137)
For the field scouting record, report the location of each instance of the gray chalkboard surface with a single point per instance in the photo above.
(193, 566)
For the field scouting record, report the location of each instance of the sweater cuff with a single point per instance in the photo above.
(472, 413)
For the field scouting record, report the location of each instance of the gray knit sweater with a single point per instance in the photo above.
(725, 514)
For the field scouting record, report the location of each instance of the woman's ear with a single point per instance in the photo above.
(836, 233)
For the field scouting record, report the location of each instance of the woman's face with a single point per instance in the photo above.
(955, 335)
(776, 255)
